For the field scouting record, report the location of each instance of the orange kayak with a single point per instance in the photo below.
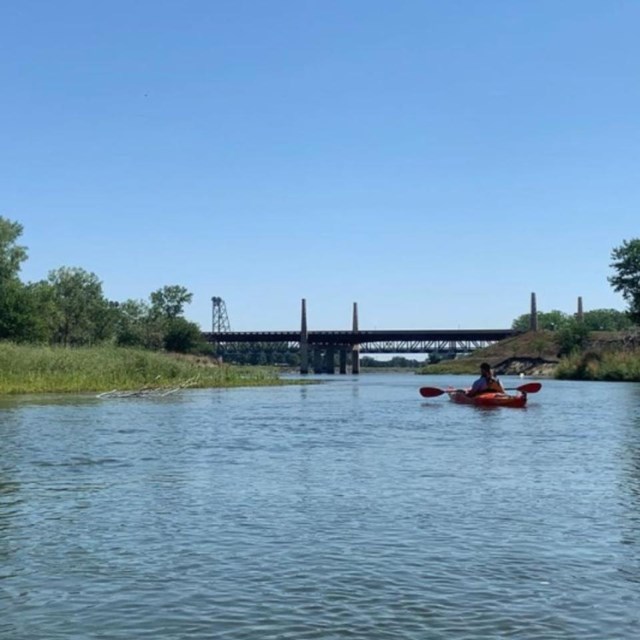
(491, 399)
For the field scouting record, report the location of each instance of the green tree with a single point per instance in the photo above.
(574, 336)
(626, 262)
(132, 324)
(606, 320)
(552, 321)
(18, 320)
(170, 300)
(11, 254)
(79, 307)
(17, 317)
(182, 336)
(41, 296)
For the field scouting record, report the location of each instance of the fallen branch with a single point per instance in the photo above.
(148, 391)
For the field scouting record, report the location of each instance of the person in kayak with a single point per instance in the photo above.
(486, 383)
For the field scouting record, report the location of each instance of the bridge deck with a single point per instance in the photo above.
(377, 341)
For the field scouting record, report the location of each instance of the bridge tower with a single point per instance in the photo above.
(304, 339)
(533, 317)
(355, 351)
(220, 319)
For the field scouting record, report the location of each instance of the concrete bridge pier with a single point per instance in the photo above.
(329, 360)
(324, 356)
(355, 350)
(317, 360)
(304, 340)
(533, 317)
(343, 360)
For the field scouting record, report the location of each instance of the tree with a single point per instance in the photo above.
(606, 320)
(574, 336)
(551, 321)
(182, 336)
(11, 254)
(626, 262)
(79, 307)
(17, 318)
(132, 325)
(41, 297)
(170, 300)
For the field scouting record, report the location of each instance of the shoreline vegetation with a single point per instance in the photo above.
(42, 369)
(602, 355)
(141, 339)
(125, 371)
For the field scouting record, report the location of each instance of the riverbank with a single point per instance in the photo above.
(530, 354)
(611, 356)
(41, 369)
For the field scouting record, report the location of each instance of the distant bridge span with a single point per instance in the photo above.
(377, 341)
(323, 346)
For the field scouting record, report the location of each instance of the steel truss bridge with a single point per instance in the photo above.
(349, 345)
(322, 347)
(384, 341)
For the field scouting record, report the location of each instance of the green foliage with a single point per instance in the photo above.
(18, 320)
(255, 354)
(551, 321)
(136, 327)
(620, 366)
(182, 336)
(626, 262)
(11, 254)
(169, 301)
(81, 315)
(397, 362)
(16, 311)
(38, 369)
(572, 337)
(69, 308)
(594, 320)
(41, 296)
(606, 320)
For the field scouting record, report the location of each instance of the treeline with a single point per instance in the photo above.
(625, 262)
(69, 308)
(397, 362)
(594, 320)
(267, 355)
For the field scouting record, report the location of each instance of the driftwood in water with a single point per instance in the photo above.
(148, 391)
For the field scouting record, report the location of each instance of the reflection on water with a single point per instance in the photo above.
(630, 495)
(348, 509)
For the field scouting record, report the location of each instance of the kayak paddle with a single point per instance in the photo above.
(530, 387)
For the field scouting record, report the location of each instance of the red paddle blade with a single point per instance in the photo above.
(431, 392)
(530, 387)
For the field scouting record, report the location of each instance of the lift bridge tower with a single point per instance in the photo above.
(220, 319)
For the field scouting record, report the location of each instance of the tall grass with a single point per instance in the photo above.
(620, 366)
(38, 369)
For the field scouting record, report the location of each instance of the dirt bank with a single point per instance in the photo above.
(532, 354)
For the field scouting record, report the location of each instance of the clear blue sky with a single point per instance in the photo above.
(434, 161)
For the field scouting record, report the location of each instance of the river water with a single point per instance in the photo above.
(348, 509)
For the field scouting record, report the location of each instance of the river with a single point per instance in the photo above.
(349, 509)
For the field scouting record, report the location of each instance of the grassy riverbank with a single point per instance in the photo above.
(533, 346)
(617, 366)
(611, 356)
(38, 369)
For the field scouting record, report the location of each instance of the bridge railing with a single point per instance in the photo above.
(376, 341)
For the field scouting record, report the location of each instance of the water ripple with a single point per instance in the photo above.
(346, 510)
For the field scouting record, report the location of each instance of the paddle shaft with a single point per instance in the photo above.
(530, 387)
